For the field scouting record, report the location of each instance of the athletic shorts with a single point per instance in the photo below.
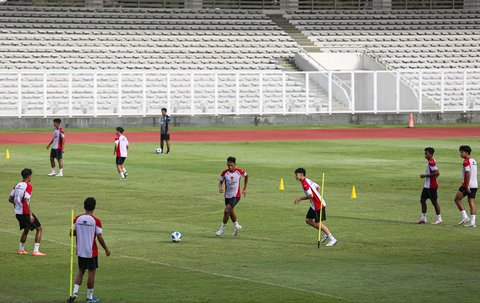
(429, 193)
(471, 195)
(87, 263)
(120, 160)
(56, 154)
(165, 137)
(24, 222)
(232, 201)
(315, 214)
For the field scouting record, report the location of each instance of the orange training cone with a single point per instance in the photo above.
(354, 192)
(410, 121)
(282, 186)
(7, 154)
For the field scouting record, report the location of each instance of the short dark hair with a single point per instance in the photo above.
(57, 120)
(120, 129)
(301, 171)
(164, 109)
(465, 148)
(231, 160)
(430, 150)
(90, 203)
(26, 172)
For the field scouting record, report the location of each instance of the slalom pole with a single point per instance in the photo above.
(71, 254)
(321, 213)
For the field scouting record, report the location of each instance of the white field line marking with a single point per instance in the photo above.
(208, 272)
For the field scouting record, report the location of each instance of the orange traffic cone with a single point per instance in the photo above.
(410, 121)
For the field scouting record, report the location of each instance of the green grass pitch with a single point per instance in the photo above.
(381, 255)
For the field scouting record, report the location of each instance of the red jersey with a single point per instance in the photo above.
(431, 182)
(87, 228)
(21, 193)
(310, 188)
(58, 138)
(470, 165)
(232, 182)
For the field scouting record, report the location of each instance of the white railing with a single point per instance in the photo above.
(93, 93)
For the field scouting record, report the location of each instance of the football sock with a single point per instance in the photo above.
(53, 170)
(439, 217)
(223, 225)
(22, 246)
(236, 224)
(60, 171)
(124, 170)
(331, 237)
(89, 293)
(122, 175)
(424, 217)
(464, 214)
(76, 287)
(36, 247)
(472, 219)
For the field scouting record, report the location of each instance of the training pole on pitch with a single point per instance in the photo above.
(71, 254)
(321, 213)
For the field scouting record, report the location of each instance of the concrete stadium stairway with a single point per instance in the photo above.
(296, 34)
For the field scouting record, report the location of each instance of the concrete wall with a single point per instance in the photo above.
(314, 119)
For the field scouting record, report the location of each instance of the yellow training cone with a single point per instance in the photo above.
(282, 186)
(354, 192)
(7, 154)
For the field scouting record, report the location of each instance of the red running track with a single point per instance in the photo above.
(250, 135)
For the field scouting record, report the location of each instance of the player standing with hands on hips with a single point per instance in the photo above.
(469, 187)
(317, 203)
(58, 148)
(231, 177)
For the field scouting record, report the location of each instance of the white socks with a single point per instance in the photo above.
(124, 170)
(60, 172)
(464, 214)
(53, 170)
(223, 226)
(76, 287)
(122, 175)
(22, 246)
(438, 217)
(236, 224)
(36, 247)
(424, 217)
(89, 293)
(472, 219)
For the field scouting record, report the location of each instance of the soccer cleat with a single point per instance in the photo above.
(421, 222)
(437, 222)
(470, 225)
(464, 220)
(331, 242)
(324, 238)
(72, 298)
(59, 175)
(92, 300)
(52, 174)
(22, 252)
(38, 254)
(219, 232)
(236, 229)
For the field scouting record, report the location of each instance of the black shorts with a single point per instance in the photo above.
(56, 154)
(315, 214)
(120, 160)
(232, 201)
(165, 137)
(24, 222)
(87, 263)
(471, 195)
(429, 193)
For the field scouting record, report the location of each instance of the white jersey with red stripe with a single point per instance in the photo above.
(121, 144)
(232, 182)
(58, 137)
(87, 227)
(470, 165)
(310, 188)
(21, 193)
(431, 182)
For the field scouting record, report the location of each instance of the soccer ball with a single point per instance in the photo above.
(158, 150)
(176, 236)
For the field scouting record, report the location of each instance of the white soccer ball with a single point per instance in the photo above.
(176, 236)
(158, 150)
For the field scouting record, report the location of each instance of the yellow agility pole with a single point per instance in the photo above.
(71, 254)
(321, 212)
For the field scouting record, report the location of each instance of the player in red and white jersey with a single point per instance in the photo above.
(20, 197)
(317, 203)
(58, 148)
(87, 228)
(120, 151)
(468, 188)
(430, 187)
(231, 177)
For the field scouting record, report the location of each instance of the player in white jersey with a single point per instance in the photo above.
(469, 187)
(87, 228)
(231, 177)
(58, 148)
(120, 151)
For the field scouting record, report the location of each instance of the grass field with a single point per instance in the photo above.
(381, 255)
